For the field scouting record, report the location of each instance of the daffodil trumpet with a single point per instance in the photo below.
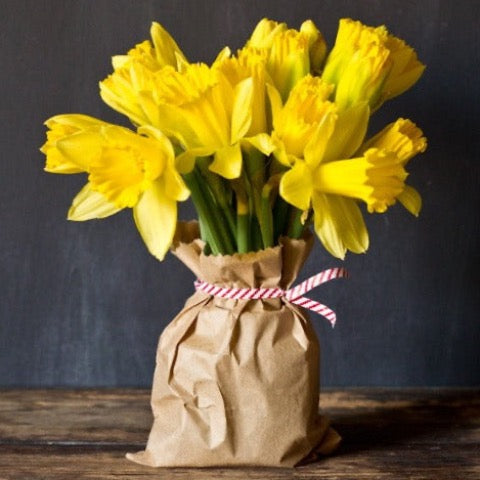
(266, 141)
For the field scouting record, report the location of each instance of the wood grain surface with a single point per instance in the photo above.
(388, 434)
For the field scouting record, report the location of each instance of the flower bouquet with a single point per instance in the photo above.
(267, 142)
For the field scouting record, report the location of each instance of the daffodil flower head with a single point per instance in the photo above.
(406, 140)
(289, 60)
(127, 165)
(369, 64)
(60, 127)
(358, 63)
(376, 178)
(125, 169)
(291, 54)
(208, 115)
(129, 88)
(326, 178)
(201, 97)
(402, 137)
(351, 36)
(296, 122)
(332, 189)
(264, 33)
(317, 46)
(249, 62)
(406, 70)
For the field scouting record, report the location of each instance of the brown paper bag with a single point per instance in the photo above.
(236, 381)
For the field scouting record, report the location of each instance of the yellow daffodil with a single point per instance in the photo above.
(295, 123)
(62, 126)
(406, 69)
(369, 64)
(291, 54)
(248, 63)
(404, 139)
(264, 33)
(317, 141)
(208, 116)
(129, 89)
(276, 116)
(124, 169)
(316, 45)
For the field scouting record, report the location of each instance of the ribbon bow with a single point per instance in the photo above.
(293, 295)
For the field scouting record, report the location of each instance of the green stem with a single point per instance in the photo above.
(243, 216)
(218, 241)
(266, 217)
(243, 241)
(205, 236)
(218, 189)
(280, 215)
(255, 166)
(296, 227)
(257, 243)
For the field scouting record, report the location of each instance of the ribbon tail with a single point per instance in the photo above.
(316, 307)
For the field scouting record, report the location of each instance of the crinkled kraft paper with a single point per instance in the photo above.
(237, 381)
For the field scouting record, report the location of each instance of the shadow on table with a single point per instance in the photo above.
(430, 416)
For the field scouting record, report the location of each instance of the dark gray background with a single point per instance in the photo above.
(83, 304)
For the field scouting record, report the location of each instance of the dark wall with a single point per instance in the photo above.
(83, 303)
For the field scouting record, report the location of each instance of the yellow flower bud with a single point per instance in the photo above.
(406, 68)
(290, 54)
(316, 45)
(368, 64)
(62, 127)
(129, 89)
(297, 121)
(264, 33)
(402, 137)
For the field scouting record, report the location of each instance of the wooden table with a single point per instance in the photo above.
(393, 434)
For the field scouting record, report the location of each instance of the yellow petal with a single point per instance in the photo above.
(411, 200)
(315, 148)
(62, 127)
(317, 45)
(275, 103)
(118, 93)
(57, 163)
(377, 178)
(406, 68)
(174, 123)
(289, 60)
(156, 219)
(242, 109)
(77, 120)
(350, 130)
(185, 161)
(265, 32)
(158, 135)
(119, 61)
(175, 188)
(223, 55)
(262, 142)
(82, 148)
(296, 185)
(227, 162)
(402, 137)
(339, 224)
(89, 204)
(280, 152)
(166, 49)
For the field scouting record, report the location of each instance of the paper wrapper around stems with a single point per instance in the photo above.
(237, 381)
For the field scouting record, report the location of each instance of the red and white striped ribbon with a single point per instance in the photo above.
(293, 295)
